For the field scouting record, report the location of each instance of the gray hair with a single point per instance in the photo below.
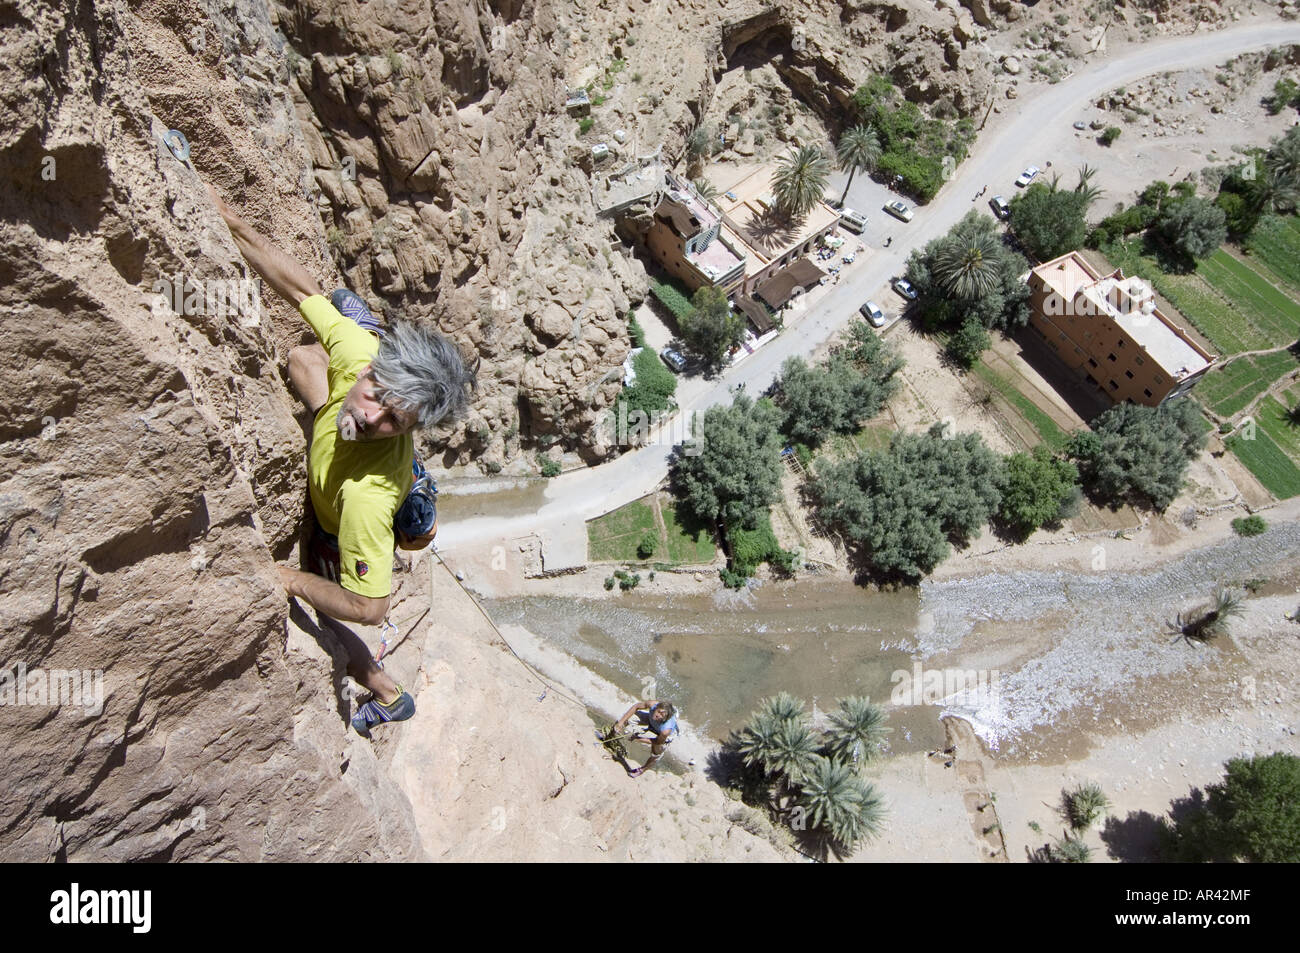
(421, 371)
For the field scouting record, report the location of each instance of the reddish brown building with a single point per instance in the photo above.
(1108, 328)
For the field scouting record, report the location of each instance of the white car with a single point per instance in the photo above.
(871, 311)
(899, 210)
(904, 288)
(1027, 176)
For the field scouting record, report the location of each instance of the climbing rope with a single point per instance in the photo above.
(546, 686)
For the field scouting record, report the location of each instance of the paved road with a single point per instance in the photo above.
(1026, 134)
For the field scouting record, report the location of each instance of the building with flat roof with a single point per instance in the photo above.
(772, 240)
(1110, 329)
(689, 239)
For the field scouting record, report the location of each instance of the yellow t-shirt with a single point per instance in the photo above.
(356, 486)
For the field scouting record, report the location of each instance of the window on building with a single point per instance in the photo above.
(1138, 360)
(1121, 342)
(1077, 351)
(1158, 379)
(1091, 362)
(1147, 392)
(1111, 357)
(1114, 386)
(1128, 374)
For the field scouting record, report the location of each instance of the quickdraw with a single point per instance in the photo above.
(383, 639)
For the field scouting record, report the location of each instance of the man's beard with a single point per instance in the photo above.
(347, 424)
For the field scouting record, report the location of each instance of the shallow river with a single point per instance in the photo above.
(1056, 652)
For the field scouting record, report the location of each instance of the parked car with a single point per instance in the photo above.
(871, 311)
(904, 288)
(1001, 207)
(673, 359)
(899, 210)
(1027, 176)
(853, 221)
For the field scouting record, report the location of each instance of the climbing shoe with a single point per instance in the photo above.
(351, 306)
(375, 712)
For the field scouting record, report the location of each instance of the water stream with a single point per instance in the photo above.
(1067, 650)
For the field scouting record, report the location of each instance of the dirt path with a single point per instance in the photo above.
(967, 757)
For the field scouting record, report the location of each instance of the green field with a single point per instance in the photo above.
(1228, 389)
(1047, 428)
(1267, 308)
(1275, 245)
(615, 536)
(691, 546)
(1273, 418)
(1265, 459)
(1226, 327)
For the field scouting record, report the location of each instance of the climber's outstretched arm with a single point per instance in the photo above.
(286, 277)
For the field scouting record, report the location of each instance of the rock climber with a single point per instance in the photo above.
(656, 723)
(368, 490)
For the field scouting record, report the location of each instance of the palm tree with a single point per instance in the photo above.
(856, 731)
(1070, 850)
(840, 803)
(1084, 805)
(858, 149)
(1276, 190)
(1085, 187)
(705, 189)
(968, 268)
(778, 738)
(1293, 416)
(800, 180)
(781, 706)
(1284, 158)
(1215, 621)
(793, 750)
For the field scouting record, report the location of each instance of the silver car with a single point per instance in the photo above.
(871, 311)
(1027, 176)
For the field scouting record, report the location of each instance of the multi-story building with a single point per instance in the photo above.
(1110, 329)
(690, 240)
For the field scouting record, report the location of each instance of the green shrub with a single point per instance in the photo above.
(752, 547)
(652, 390)
(1249, 525)
(1109, 135)
(550, 467)
(673, 296)
(1084, 805)
(1286, 92)
(585, 124)
(646, 548)
(968, 342)
(634, 330)
(627, 580)
(609, 583)
(1252, 815)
